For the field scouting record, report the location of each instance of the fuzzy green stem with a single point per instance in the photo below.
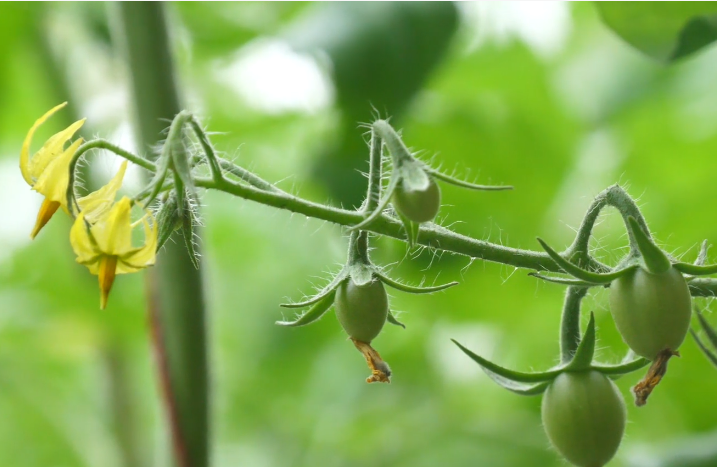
(374, 174)
(618, 198)
(570, 323)
(175, 292)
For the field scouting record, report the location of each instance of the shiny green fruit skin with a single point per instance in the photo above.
(584, 417)
(361, 310)
(418, 205)
(651, 311)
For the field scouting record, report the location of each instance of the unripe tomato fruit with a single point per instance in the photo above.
(584, 417)
(418, 205)
(651, 311)
(361, 310)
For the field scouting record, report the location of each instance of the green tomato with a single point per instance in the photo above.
(418, 205)
(651, 311)
(584, 417)
(361, 309)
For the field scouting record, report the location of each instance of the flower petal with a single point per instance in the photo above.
(144, 256)
(83, 245)
(113, 232)
(53, 181)
(98, 203)
(25, 151)
(52, 148)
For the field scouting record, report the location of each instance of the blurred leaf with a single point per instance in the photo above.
(666, 31)
(381, 54)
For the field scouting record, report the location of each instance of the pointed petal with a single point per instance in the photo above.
(47, 210)
(52, 148)
(25, 151)
(53, 180)
(113, 232)
(144, 256)
(82, 244)
(97, 203)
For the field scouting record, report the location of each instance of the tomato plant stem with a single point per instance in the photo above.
(176, 298)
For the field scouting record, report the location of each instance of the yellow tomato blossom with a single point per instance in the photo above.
(105, 246)
(48, 171)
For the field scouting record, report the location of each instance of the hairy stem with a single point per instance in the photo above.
(176, 295)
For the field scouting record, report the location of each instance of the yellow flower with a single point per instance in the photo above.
(105, 246)
(48, 171)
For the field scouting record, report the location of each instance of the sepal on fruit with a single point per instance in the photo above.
(583, 357)
(564, 281)
(392, 319)
(582, 274)
(463, 184)
(654, 259)
(330, 288)
(412, 289)
(314, 313)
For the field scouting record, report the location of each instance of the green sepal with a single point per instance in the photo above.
(710, 332)
(615, 371)
(361, 274)
(330, 288)
(463, 184)
(413, 176)
(168, 219)
(694, 270)
(583, 357)
(188, 205)
(411, 228)
(412, 289)
(580, 273)
(655, 260)
(180, 162)
(564, 281)
(313, 313)
(392, 184)
(392, 319)
(708, 353)
(504, 376)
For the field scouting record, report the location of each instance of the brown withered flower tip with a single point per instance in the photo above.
(380, 371)
(643, 389)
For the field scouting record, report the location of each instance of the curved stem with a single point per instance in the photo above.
(618, 198)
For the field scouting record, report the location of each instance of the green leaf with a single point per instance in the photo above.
(412, 289)
(656, 261)
(582, 360)
(580, 273)
(331, 287)
(666, 31)
(504, 376)
(381, 54)
(392, 319)
(313, 313)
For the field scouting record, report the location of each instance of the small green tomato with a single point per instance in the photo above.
(651, 311)
(584, 417)
(361, 309)
(418, 205)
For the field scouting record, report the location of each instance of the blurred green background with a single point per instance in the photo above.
(541, 96)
